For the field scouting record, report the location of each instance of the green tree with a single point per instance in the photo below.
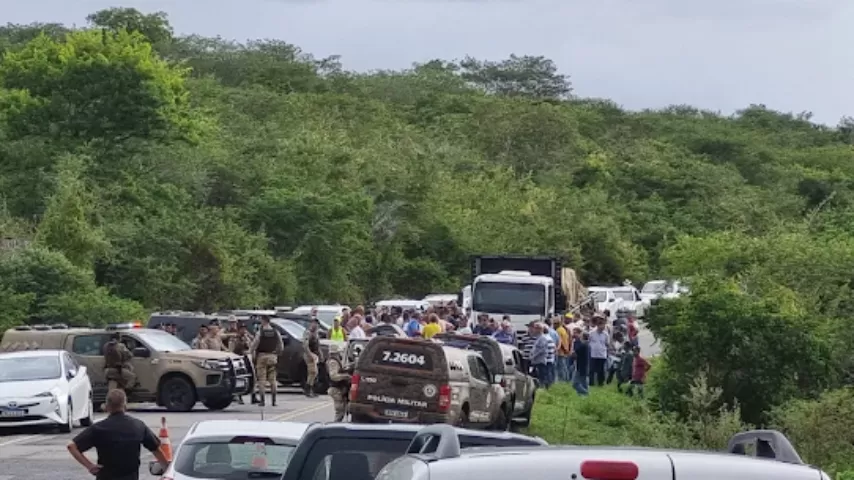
(93, 86)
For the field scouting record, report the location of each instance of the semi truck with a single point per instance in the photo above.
(526, 288)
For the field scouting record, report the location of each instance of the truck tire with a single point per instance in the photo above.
(502, 422)
(526, 417)
(219, 403)
(177, 394)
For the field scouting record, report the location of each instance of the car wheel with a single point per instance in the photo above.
(87, 420)
(68, 426)
(526, 417)
(220, 403)
(177, 395)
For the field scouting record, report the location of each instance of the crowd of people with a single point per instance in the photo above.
(582, 348)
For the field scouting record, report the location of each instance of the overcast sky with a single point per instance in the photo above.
(792, 55)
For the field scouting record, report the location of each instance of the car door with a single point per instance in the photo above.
(88, 350)
(143, 366)
(523, 387)
(78, 389)
(480, 392)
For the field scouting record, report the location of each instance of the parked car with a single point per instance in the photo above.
(233, 449)
(347, 451)
(44, 387)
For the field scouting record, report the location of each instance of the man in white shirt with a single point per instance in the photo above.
(600, 344)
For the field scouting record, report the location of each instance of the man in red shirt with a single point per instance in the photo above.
(640, 367)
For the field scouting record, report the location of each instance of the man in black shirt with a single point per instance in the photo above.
(117, 439)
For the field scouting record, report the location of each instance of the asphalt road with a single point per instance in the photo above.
(40, 454)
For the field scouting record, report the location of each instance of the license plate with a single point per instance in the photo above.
(396, 413)
(11, 413)
(240, 383)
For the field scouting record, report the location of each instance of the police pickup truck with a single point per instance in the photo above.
(438, 452)
(168, 372)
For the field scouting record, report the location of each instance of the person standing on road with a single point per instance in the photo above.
(239, 344)
(117, 439)
(581, 357)
(266, 349)
(337, 333)
(563, 350)
(311, 355)
(640, 367)
(200, 337)
(539, 352)
(600, 343)
(117, 366)
(213, 340)
(339, 381)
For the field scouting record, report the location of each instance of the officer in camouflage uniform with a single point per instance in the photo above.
(311, 355)
(239, 344)
(266, 349)
(213, 341)
(118, 369)
(339, 381)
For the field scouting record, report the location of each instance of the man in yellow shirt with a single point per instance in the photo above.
(563, 350)
(433, 327)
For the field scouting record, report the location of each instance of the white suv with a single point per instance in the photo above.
(438, 455)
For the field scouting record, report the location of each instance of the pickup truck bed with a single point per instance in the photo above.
(368, 448)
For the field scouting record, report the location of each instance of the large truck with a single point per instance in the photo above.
(526, 288)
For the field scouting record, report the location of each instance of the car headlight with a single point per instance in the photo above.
(209, 364)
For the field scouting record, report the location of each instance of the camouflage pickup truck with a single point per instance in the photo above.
(168, 372)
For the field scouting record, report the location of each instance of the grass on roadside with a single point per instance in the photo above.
(606, 417)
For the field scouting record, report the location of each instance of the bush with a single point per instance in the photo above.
(608, 417)
(822, 430)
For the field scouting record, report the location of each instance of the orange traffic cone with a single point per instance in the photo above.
(165, 443)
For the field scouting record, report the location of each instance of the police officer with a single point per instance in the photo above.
(117, 439)
(311, 355)
(239, 344)
(266, 349)
(339, 381)
(118, 369)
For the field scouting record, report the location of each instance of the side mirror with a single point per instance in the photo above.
(141, 352)
(612, 300)
(322, 334)
(286, 339)
(71, 374)
(155, 468)
(496, 379)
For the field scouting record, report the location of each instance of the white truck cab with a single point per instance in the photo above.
(522, 296)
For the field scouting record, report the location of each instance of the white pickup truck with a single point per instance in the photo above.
(435, 453)
(613, 299)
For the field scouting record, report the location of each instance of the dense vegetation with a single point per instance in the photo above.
(150, 171)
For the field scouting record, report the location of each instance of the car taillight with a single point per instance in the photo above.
(609, 470)
(354, 386)
(444, 398)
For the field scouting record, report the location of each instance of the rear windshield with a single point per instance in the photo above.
(236, 460)
(416, 357)
(348, 459)
(488, 354)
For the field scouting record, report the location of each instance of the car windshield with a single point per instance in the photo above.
(510, 298)
(24, 369)
(655, 287)
(625, 295)
(235, 460)
(162, 341)
(599, 296)
(294, 329)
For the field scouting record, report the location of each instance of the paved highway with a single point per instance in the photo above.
(41, 454)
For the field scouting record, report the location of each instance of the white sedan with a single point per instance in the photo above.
(233, 450)
(44, 387)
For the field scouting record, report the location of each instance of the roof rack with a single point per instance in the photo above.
(59, 326)
(435, 441)
(770, 444)
(22, 328)
(41, 327)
